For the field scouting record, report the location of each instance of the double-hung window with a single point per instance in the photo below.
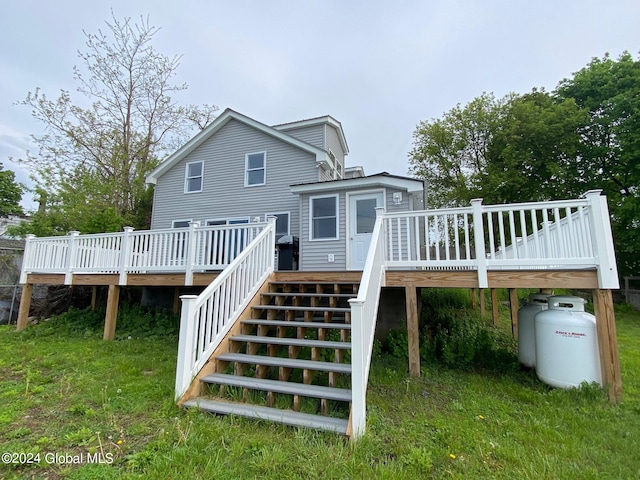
(193, 177)
(255, 169)
(324, 217)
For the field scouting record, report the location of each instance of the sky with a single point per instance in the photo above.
(378, 67)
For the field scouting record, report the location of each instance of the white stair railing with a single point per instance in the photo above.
(206, 319)
(364, 313)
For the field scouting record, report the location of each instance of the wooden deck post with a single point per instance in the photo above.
(483, 307)
(25, 305)
(513, 307)
(413, 332)
(474, 298)
(112, 312)
(94, 298)
(176, 300)
(608, 344)
(494, 307)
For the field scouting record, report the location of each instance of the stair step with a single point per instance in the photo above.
(291, 388)
(309, 282)
(294, 323)
(296, 342)
(285, 362)
(310, 295)
(294, 308)
(287, 417)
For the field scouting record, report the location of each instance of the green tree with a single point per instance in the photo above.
(451, 153)
(10, 193)
(532, 154)
(93, 159)
(545, 146)
(608, 91)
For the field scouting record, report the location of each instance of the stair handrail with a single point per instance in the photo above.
(364, 313)
(206, 318)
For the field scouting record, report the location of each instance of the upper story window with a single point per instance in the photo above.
(324, 217)
(255, 169)
(193, 177)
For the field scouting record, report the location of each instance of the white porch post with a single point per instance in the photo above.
(125, 255)
(358, 382)
(71, 256)
(602, 239)
(186, 344)
(478, 236)
(26, 258)
(191, 253)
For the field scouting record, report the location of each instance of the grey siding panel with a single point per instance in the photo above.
(314, 255)
(224, 194)
(313, 134)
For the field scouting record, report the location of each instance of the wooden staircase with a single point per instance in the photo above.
(291, 361)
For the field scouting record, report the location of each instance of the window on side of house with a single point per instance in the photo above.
(193, 177)
(282, 223)
(180, 223)
(255, 169)
(324, 217)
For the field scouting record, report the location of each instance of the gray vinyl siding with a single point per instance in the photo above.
(224, 193)
(313, 135)
(314, 254)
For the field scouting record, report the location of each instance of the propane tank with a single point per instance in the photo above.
(566, 344)
(526, 328)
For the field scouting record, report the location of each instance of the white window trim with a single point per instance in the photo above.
(337, 237)
(275, 214)
(238, 220)
(187, 177)
(173, 223)
(246, 169)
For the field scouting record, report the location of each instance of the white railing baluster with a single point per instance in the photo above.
(512, 232)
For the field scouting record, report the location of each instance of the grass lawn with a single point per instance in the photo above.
(68, 400)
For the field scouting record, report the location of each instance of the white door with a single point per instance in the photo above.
(362, 218)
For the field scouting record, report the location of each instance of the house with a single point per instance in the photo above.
(295, 345)
(239, 170)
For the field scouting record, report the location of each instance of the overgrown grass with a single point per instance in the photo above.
(63, 390)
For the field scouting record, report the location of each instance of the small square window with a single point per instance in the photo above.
(193, 177)
(324, 218)
(256, 169)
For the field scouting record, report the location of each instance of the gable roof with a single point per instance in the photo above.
(382, 179)
(220, 121)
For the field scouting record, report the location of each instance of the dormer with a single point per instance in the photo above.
(325, 133)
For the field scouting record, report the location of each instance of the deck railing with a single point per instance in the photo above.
(364, 313)
(565, 234)
(187, 250)
(205, 319)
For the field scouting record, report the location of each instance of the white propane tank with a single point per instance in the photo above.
(566, 344)
(526, 328)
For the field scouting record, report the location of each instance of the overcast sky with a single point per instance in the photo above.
(379, 67)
